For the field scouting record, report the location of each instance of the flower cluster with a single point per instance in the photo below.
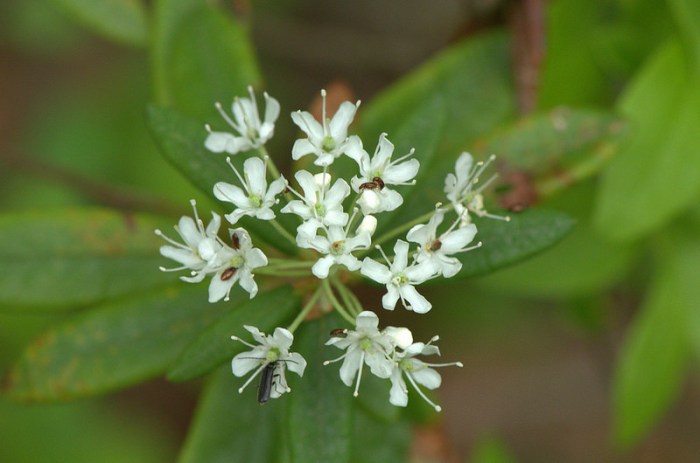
(336, 219)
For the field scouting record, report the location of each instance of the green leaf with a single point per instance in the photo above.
(63, 259)
(376, 441)
(213, 346)
(658, 162)
(121, 20)
(181, 140)
(320, 408)
(118, 344)
(229, 426)
(685, 13)
(656, 350)
(505, 243)
(580, 265)
(472, 78)
(555, 148)
(200, 56)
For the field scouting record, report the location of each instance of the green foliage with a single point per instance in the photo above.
(199, 56)
(320, 411)
(120, 20)
(659, 159)
(66, 259)
(117, 344)
(658, 346)
(491, 450)
(229, 426)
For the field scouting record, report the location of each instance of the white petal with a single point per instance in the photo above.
(401, 173)
(457, 239)
(189, 232)
(450, 266)
(427, 377)
(398, 395)
(296, 363)
(213, 228)
(283, 338)
(385, 149)
(307, 184)
(255, 258)
(419, 304)
(335, 217)
(400, 256)
(390, 298)
(379, 364)
(218, 288)
(350, 261)
(418, 273)
(231, 193)
(369, 202)
(244, 362)
(254, 170)
(322, 266)
(375, 271)
(306, 122)
(350, 365)
(336, 194)
(276, 187)
(302, 147)
(217, 142)
(341, 120)
(356, 152)
(248, 283)
(258, 335)
(367, 320)
(272, 109)
(402, 337)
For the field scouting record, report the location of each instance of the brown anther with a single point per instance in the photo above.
(228, 273)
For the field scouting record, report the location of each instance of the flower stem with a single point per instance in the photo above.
(348, 297)
(336, 304)
(305, 310)
(283, 232)
(289, 264)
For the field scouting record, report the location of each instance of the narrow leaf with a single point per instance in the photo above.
(320, 408)
(229, 426)
(214, 346)
(121, 20)
(63, 259)
(118, 344)
(658, 161)
(200, 56)
(656, 351)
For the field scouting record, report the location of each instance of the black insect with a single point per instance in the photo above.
(375, 184)
(268, 380)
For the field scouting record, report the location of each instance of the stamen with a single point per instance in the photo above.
(238, 174)
(407, 155)
(198, 221)
(223, 114)
(236, 338)
(175, 269)
(252, 377)
(383, 255)
(451, 364)
(352, 219)
(418, 390)
(254, 104)
(328, 362)
(170, 240)
(324, 121)
(359, 375)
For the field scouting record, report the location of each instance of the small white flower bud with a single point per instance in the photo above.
(368, 224)
(322, 180)
(401, 336)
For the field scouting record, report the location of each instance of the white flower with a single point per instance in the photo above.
(338, 249)
(319, 206)
(252, 133)
(378, 172)
(329, 139)
(460, 188)
(257, 199)
(400, 279)
(438, 250)
(236, 264)
(199, 248)
(417, 372)
(364, 345)
(272, 350)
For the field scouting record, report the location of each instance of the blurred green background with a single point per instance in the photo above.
(585, 353)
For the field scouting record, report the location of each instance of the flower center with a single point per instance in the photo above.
(320, 209)
(366, 345)
(273, 354)
(237, 261)
(337, 247)
(328, 144)
(399, 279)
(434, 245)
(406, 365)
(255, 200)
